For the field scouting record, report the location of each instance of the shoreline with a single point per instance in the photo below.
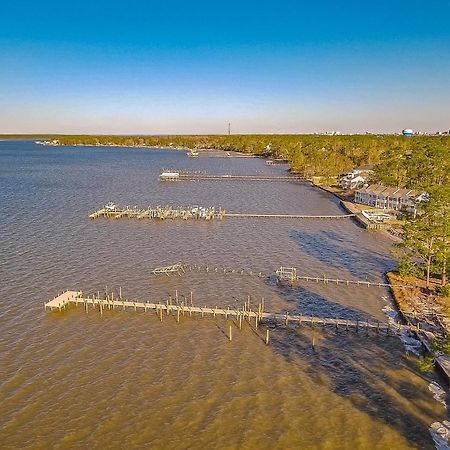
(236, 153)
(426, 338)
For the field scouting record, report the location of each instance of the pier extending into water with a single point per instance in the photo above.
(282, 274)
(175, 175)
(111, 210)
(290, 274)
(178, 309)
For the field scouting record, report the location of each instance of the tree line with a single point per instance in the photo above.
(312, 155)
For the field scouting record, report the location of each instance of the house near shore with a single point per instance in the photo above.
(352, 181)
(357, 178)
(391, 198)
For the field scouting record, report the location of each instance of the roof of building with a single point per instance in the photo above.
(386, 191)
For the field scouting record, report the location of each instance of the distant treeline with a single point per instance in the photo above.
(417, 161)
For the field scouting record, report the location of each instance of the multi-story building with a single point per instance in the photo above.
(392, 198)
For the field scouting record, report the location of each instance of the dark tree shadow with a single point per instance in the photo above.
(363, 367)
(303, 301)
(333, 250)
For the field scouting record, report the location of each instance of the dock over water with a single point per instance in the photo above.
(62, 300)
(114, 211)
(183, 176)
(258, 316)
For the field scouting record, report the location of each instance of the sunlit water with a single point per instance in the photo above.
(127, 380)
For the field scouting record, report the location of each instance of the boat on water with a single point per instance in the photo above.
(192, 153)
(169, 176)
(110, 206)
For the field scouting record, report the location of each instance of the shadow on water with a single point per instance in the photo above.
(330, 248)
(361, 367)
(308, 303)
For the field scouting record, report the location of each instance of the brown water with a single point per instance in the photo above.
(126, 380)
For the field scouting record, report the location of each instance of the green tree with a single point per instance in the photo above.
(428, 234)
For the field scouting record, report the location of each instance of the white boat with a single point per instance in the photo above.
(110, 206)
(192, 154)
(169, 176)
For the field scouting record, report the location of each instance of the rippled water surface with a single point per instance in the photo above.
(127, 380)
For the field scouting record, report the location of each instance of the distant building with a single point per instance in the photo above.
(390, 198)
(356, 178)
(407, 132)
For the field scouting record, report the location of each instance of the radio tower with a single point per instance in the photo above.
(229, 128)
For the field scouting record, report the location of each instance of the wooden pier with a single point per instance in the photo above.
(113, 211)
(256, 317)
(288, 274)
(62, 300)
(287, 216)
(178, 175)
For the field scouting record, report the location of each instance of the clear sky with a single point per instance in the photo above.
(193, 66)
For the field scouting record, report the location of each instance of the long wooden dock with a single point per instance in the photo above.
(202, 177)
(290, 274)
(287, 216)
(259, 316)
(282, 274)
(113, 211)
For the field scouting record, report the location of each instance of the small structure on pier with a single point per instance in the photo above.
(286, 274)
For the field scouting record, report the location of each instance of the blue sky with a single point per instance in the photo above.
(191, 67)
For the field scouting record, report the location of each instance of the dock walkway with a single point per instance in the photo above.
(259, 316)
(114, 211)
(288, 216)
(288, 274)
(200, 177)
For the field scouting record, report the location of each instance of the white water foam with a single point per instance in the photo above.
(440, 432)
(438, 391)
(411, 343)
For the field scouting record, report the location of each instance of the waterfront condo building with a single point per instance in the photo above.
(391, 198)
